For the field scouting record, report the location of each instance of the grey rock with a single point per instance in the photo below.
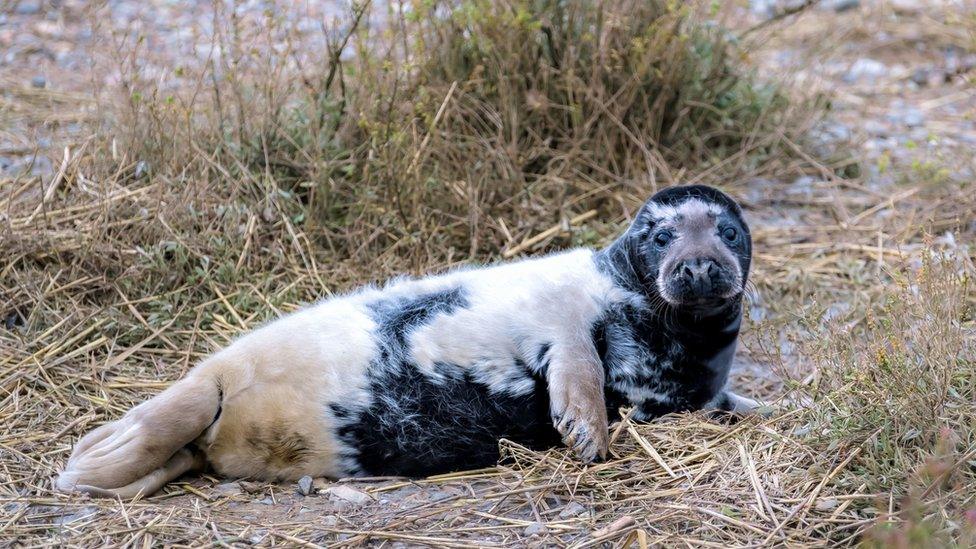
(836, 310)
(804, 182)
(80, 514)
(865, 69)
(802, 431)
(258, 536)
(921, 76)
(38, 166)
(911, 117)
(573, 509)
(875, 128)
(757, 313)
(305, 485)
(28, 7)
(229, 489)
(330, 521)
(350, 494)
(142, 168)
(39, 82)
(536, 529)
(840, 5)
(919, 135)
(763, 8)
(906, 6)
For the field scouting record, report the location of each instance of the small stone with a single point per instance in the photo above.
(80, 514)
(841, 5)
(267, 501)
(920, 77)
(330, 521)
(764, 411)
(258, 536)
(305, 485)
(28, 7)
(347, 493)
(536, 529)
(876, 128)
(142, 168)
(39, 82)
(865, 69)
(911, 117)
(574, 509)
(906, 6)
(919, 135)
(251, 487)
(827, 504)
(229, 489)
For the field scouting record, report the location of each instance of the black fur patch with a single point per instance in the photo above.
(418, 424)
(637, 352)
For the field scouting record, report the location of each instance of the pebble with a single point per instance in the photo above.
(142, 168)
(836, 310)
(39, 82)
(305, 485)
(28, 7)
(827, 504)
(536, 529)
(330, 521)
(80, 514)
(347, 493)
(911, 117)
(920, 77)
(574, 509)
(906, 6)
(802, 431)
(840, 5)
(876, 128)
(229, 489)
(865, 69)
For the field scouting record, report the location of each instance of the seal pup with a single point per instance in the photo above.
(424, 376)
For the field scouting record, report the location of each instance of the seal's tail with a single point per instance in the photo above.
(139, 453)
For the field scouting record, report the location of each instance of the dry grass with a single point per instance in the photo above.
(214, 197)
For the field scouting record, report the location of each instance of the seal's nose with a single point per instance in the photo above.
(699, 274)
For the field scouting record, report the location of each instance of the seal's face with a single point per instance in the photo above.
(695, 246)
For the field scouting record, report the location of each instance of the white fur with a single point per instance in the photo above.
(512, 309)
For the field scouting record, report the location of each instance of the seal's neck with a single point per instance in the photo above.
(620, 261)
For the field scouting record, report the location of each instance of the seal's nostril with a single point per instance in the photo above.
(687, 273)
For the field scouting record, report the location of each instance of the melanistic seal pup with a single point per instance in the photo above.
(425, 376)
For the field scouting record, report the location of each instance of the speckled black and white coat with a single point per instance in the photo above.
(424, 376)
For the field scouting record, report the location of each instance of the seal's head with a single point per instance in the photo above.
(693, 248)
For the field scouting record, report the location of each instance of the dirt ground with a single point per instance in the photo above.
(902, 103)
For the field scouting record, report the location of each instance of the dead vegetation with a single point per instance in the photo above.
(209, 194)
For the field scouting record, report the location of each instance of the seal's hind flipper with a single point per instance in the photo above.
(145, 448)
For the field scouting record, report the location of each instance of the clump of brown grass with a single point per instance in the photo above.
(458, 114)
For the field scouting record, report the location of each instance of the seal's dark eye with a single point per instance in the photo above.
(729, 234)
(661, 238)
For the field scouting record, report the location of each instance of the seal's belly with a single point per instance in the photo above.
(418, 425)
